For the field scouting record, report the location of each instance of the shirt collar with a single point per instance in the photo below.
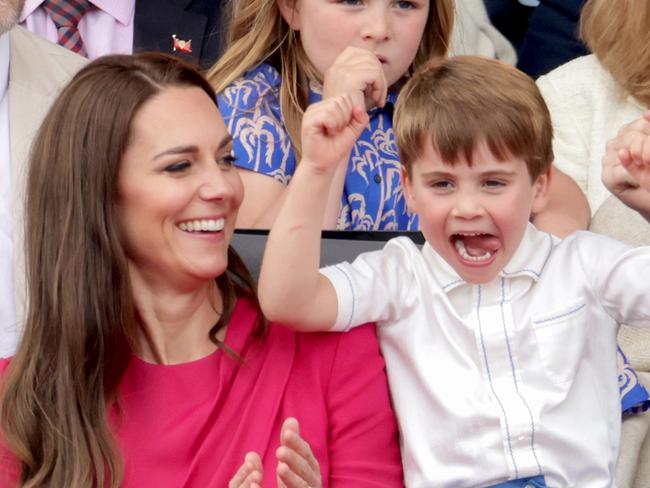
(121, 10)
(4, 64)
(529, 260)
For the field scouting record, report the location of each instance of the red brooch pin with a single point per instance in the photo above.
(181, 45)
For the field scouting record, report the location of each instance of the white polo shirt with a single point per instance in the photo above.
(509, 379)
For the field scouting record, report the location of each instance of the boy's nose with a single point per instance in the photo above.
(467, 206)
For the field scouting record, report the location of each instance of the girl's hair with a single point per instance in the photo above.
(81, 319)
(258, 33)
(618, 33)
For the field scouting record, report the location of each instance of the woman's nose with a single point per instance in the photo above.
(215, 184)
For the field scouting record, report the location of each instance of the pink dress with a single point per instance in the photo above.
(190, 425)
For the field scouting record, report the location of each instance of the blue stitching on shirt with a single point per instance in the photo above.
(487, 367)
(562, 315)
(347, 277)
(452, 283)
(514, 376)
(532, 271)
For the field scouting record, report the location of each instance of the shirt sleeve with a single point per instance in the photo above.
(251, 110)
(363, 447)
(374, 287)
(619, 277)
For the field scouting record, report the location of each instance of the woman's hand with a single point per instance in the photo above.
(329, 130)
(359, 72)
(250, 474)
(626, 165)
(297, 466)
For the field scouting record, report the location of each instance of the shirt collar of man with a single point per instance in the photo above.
(528, 261)
(120, 10)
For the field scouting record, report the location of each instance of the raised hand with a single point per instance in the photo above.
(249, 474)
(297, 466)
(625, 164)
(359, 72)
(329, 130)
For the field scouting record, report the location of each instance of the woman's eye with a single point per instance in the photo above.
(178, 167)
(227, 161)
(350, 2)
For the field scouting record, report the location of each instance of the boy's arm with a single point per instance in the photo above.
(291, 289)
(567, 209)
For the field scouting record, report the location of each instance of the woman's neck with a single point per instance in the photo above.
(175, 324)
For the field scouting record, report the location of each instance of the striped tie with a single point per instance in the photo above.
(66, 15)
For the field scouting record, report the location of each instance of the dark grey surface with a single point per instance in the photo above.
(335, 246)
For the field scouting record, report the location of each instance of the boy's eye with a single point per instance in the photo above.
(178, 167)
(494, 183)
(350, 2)
(441, 184)
(226, 162)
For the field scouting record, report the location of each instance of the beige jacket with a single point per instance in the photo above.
(37, 71)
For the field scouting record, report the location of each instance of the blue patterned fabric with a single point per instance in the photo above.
(634, 396)
(372, 196)
(534, 482)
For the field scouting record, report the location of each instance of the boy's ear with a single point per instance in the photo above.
(290, 11)
(541, 188)
(407, 186)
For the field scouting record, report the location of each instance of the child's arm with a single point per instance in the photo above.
(567, 209)
(291, 289)
(626, 165)
(354, 69)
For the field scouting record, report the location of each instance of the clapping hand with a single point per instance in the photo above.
(297, 466)
(250, 473)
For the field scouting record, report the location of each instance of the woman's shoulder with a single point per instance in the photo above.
(338, 355)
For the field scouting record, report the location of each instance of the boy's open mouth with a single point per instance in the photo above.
(475, 247)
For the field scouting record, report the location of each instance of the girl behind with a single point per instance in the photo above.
(283, 55)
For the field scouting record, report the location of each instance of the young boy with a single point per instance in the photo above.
(499, 340)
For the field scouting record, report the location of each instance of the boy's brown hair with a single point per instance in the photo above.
(457, 102)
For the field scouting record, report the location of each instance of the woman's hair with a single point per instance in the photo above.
(81, 320)
(618, 33)
(258, 33)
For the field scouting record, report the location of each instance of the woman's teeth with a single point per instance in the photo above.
(212, 225)
(460, 247)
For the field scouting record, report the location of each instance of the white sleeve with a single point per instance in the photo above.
(372, 288)
(620, 277)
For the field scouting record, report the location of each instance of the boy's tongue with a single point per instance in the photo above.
(479, 245)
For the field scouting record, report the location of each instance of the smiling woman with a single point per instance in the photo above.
(146, 360)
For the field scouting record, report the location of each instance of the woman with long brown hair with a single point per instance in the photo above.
(145, 359)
